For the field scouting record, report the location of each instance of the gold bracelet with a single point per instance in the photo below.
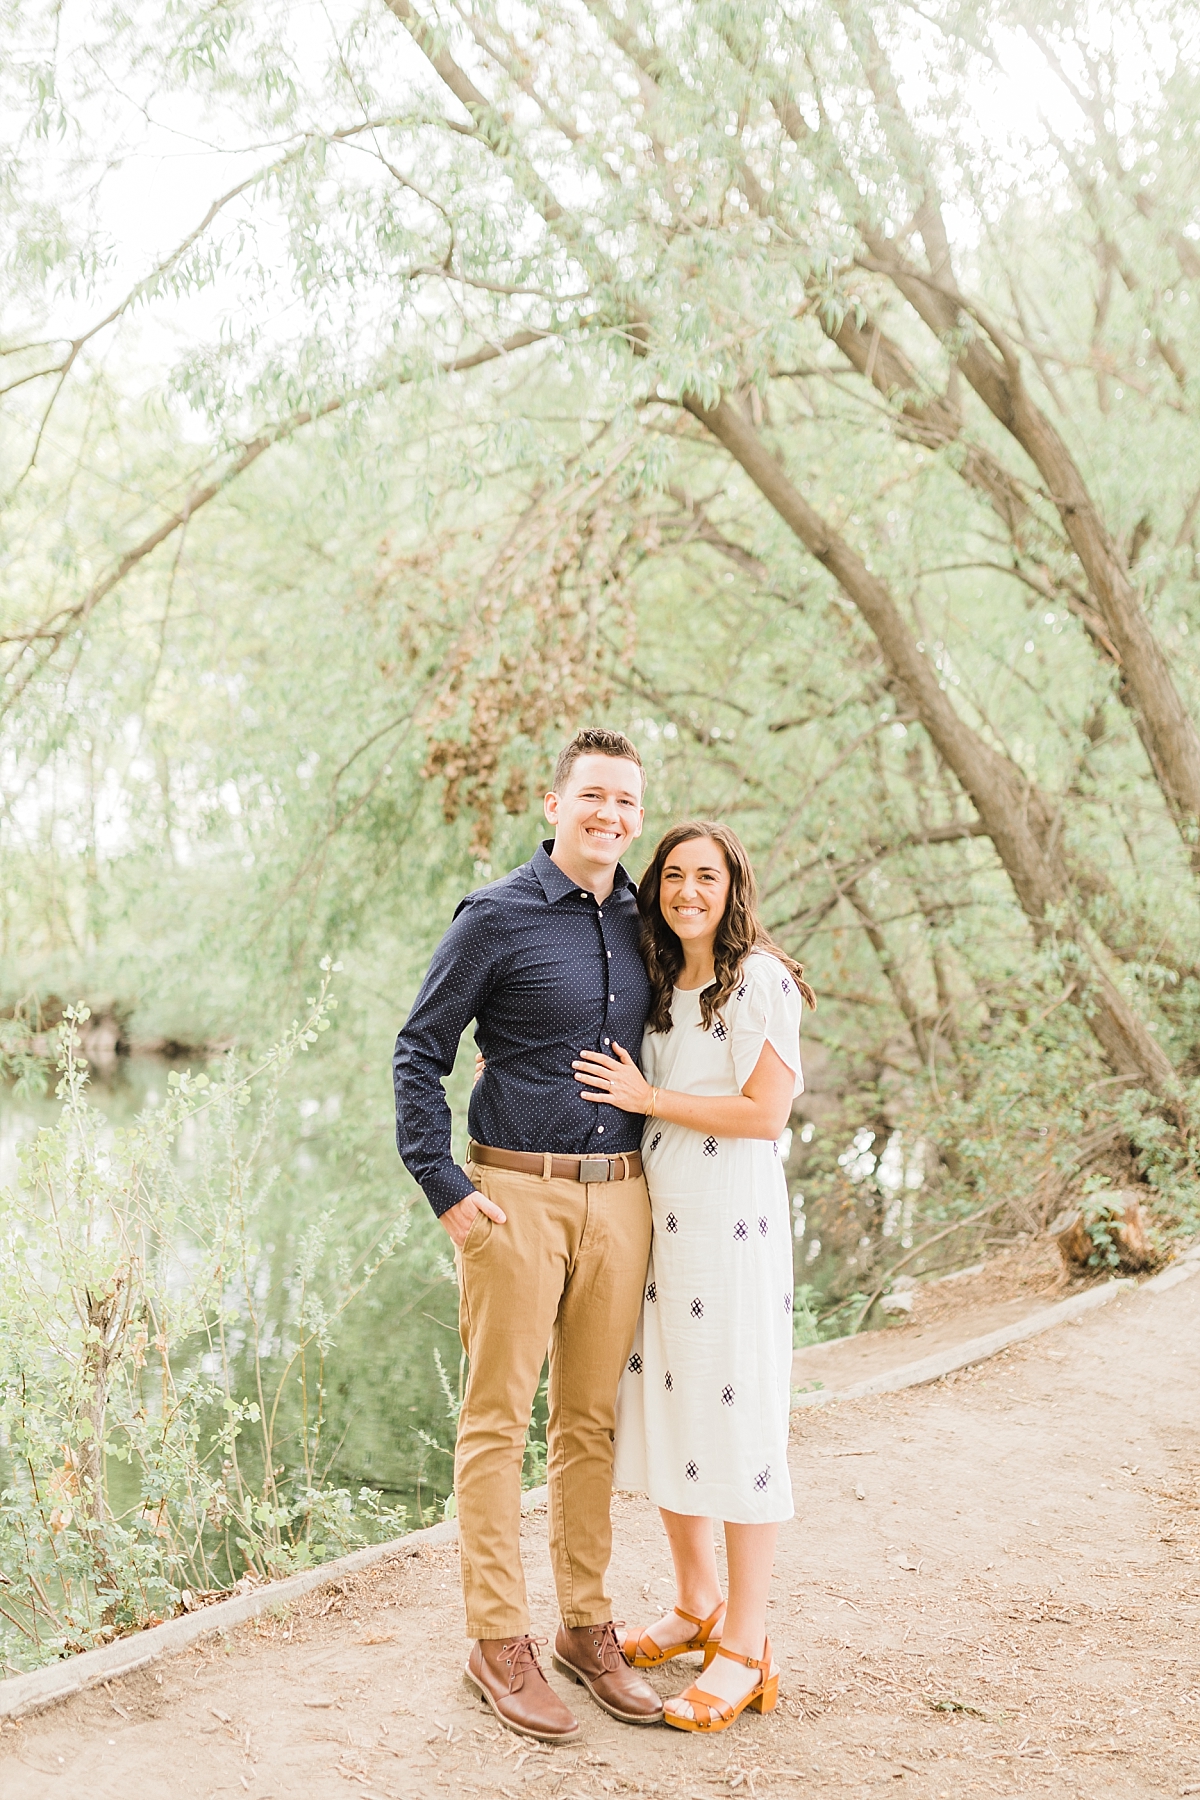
(653, 1103)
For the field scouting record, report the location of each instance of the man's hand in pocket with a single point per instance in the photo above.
(459, 1220)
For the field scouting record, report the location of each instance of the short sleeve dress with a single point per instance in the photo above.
(703, 1406)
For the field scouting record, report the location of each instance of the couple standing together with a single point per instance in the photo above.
(674, 1358)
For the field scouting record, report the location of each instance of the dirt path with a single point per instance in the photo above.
(992, 1586)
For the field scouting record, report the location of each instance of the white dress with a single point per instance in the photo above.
(703, 1406)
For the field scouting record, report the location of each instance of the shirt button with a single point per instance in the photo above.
(608, 953)
(599, 1128)
(608, 1040)
(612, 996)
(582, 895)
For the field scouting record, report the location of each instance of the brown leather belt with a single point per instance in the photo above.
(624, 1167)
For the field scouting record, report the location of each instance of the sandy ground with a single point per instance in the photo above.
(992, 1586)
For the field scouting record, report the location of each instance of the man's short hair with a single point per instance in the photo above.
(593, 740)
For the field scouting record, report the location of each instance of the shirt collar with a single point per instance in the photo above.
(556, 883)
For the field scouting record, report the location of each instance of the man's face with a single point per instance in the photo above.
(599, 813)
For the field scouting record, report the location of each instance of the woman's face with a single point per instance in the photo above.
(694, 890)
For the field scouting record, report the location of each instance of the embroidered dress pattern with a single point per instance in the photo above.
(714, 1343)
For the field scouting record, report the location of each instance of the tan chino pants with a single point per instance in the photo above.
(566, 1271)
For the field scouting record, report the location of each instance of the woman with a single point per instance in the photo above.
(702, 1421)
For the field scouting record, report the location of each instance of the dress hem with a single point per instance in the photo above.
(696, 1509)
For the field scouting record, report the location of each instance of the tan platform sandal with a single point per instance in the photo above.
(643, 1653)
(711, 1713)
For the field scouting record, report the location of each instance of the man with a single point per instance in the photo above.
(550, 1221)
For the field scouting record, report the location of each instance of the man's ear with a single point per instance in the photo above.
(550, 808)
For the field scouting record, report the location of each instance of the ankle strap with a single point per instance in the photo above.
(693, 1620)
(749, 1662)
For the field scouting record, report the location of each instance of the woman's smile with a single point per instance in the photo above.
(693, 894)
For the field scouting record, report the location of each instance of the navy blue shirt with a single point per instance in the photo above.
(546, 971)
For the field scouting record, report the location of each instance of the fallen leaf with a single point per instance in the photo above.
(218, 1714)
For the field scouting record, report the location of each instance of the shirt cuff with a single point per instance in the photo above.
(446, 1188)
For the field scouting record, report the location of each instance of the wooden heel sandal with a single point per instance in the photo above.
(643, 1653)
(711, 1713)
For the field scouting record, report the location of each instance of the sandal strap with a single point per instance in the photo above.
(650, 1647)
(749, 1662)
(710, 1704)
(705, 1625)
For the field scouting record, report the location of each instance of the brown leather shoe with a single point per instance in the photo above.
(507, 1674)
(591, 1654)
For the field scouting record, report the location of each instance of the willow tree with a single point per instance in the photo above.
(807, 296)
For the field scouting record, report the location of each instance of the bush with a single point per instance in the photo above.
(144, 1391)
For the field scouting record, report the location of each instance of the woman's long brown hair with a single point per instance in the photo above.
(739, 932)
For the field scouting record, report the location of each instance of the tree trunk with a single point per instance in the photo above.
(1017, 818)
(901, 991)
(1167, 731)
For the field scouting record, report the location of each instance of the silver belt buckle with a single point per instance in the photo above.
(595, 1168)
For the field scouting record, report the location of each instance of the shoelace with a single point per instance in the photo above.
(522, 1657)
(608, 1646)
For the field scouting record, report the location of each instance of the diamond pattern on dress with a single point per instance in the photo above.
(672, 1222)
(697, 1308)
(691, 1471)
(652, 1292)
(634, 1365)
(762, 1228)
(786, 985)
(727, 1395)
(668, 1383)
(656, 1140)
(741, 993)
(787, 1303)
(710, 1146)
(719, 1031)
(740, 1232)
(762, 1478)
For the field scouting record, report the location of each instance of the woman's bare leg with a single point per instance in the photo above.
(750, 1551)
(697, 1585)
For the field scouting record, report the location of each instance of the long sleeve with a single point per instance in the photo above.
(450, 997)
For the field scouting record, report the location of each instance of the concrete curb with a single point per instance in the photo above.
(961, 1356)
(61, 1681)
